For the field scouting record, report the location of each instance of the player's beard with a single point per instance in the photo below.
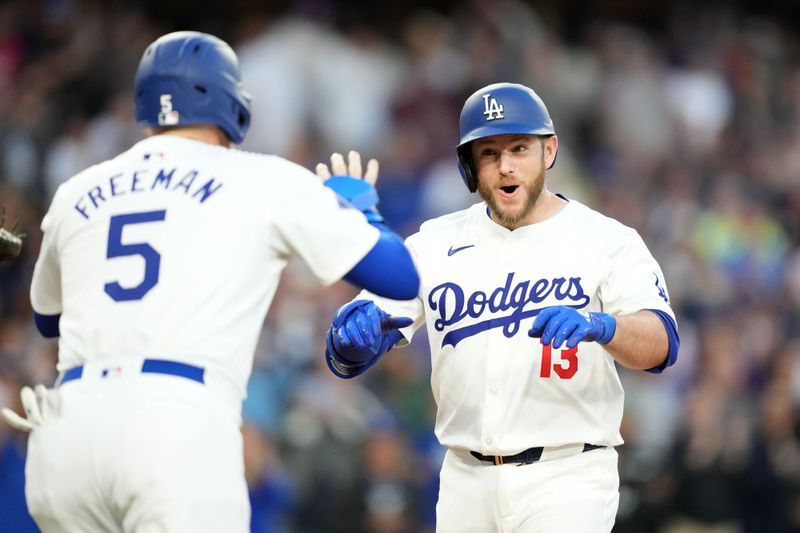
(509, 218)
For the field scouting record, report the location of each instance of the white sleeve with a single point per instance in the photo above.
(330, 237)
(46, 282)
(634, 280)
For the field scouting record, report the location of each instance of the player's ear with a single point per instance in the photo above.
(550, 148)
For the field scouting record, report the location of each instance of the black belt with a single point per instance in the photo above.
(531, 455)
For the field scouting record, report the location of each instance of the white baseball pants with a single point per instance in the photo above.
(578, 494)
(138, 453)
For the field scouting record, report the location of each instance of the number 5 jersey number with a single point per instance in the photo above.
(116, 248)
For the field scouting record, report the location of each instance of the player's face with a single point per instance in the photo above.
(511, 175)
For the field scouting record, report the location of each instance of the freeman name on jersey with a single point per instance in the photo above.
(186, 182)
(449, 300)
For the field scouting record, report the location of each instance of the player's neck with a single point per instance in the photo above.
(547, 206)
(202, 133)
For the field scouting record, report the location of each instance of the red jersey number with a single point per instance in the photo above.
(565, 368)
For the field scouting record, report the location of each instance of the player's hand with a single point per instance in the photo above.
(360, 334)
(347, 182)
(560, 323)
(40, 405)
(352, 168)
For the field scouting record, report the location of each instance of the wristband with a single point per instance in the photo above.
(605, 323)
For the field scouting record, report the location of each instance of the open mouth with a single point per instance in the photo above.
(509, 189)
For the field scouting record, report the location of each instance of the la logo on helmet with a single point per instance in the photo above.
(491, 109)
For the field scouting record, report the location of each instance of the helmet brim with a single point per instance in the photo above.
(491, 130)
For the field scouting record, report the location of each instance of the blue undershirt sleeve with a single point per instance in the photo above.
(47, 324)
(674, 341)
(387, 270)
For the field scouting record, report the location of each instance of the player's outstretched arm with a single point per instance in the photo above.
(644, 340)
(388, 269)
(359, 335)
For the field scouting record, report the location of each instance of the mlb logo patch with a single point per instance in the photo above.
(114, 371)
(168, 119)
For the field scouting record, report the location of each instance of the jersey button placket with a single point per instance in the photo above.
(496, 347)
(491, 405)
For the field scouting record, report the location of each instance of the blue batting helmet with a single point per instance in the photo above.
(498, 109)
(188, 77)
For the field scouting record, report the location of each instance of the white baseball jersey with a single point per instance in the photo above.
(498, 391)
(173, 250)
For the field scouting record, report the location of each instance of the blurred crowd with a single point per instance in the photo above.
(687, 129)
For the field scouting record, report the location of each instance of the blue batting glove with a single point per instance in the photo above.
(359, 331)
(359, 335)
(560, 323)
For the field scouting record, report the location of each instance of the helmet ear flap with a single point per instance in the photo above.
(466, 168)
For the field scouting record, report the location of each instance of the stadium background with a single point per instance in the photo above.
(681, 121)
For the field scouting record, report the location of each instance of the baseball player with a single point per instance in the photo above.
(529, 299)
(156, 271)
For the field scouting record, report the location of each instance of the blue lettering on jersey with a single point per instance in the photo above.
(209, 188)
(163, 179)
(96, 194)
(135, 181)
(454, 306)
(661, 291)
(191, 184)
(112, 182)
(186, 181)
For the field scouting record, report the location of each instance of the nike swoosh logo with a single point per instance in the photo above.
(452, 250)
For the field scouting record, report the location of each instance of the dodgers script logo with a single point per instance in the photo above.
(454, 306)
(491, 108)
